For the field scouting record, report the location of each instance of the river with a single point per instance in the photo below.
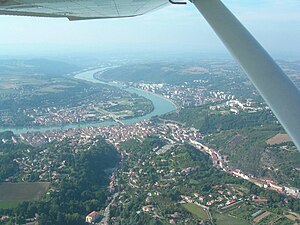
(161, 105)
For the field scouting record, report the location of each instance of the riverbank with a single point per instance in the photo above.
(117, 84)
(165, 98)
(161, 105)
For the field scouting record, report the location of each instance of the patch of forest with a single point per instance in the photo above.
(83, 190)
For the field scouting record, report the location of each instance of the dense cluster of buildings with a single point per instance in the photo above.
(115, 134)
(236, 106)
(221, 162)
(88, 111)
(45, 165)
(181, 94)
(187, 94)
(171, 132)
(52, 116)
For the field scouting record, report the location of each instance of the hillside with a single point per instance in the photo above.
(44, 67)
(243, 137)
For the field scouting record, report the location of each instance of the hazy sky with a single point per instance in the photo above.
(275, 23)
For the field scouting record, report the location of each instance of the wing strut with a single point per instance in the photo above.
(276, 88)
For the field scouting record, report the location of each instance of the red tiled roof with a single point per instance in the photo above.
(93, 214)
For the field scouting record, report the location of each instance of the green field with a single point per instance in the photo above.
(223, 219)
(197, 211)
(13, 193)
(9, 204)
(284, 221)
(244, 211)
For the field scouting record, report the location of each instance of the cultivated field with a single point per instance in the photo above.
(278, 139)
(293, 216)
(261, 217)
(223, 219)
(197, 211)
(22, 191)
(9, 204)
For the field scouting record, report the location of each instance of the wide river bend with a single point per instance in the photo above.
(161, 106)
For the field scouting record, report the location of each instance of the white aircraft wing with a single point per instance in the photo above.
(79, 9)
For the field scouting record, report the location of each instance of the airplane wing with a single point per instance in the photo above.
(79, 9)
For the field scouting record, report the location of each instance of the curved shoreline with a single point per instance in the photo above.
(160, 108)
(161, 96)
(120, 85)
(89, 75)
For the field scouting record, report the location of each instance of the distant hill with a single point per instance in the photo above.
(36, 67)
(155, 72)
(215, 72)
